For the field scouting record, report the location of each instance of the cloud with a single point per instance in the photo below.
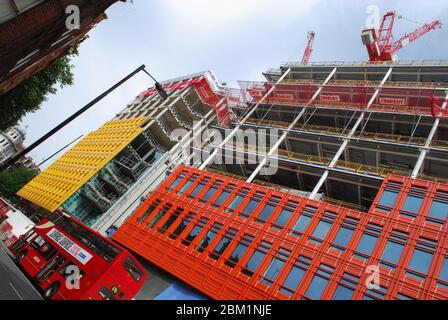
(209, 16)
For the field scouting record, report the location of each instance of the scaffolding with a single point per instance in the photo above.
(408, 98)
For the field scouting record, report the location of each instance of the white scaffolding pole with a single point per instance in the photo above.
(424, 152)
(348, 138)
(237, 128)
(288, 130)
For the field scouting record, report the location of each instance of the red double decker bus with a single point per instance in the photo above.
(69, 261)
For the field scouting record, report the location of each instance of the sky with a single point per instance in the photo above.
(236, 39)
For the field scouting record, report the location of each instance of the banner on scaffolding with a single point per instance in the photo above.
(393, 101)
(330, 98)
(438, 108)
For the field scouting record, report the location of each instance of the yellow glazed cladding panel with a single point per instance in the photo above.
(61, 180)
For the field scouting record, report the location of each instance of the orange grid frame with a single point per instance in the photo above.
(219, 280)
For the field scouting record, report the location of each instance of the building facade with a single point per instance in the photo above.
(33, 34)
(360, 155)
(104, 177)
(11, 143)
(236, 240)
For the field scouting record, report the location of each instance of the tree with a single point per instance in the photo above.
(13, 181)
(31, 93)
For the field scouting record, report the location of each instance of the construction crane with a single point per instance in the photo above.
(309, 48)
(379, 44)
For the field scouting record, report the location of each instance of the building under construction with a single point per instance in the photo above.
(360, 154)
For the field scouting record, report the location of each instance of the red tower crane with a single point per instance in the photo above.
(309, 48)
(379, 44)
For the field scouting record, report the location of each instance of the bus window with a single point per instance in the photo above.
(47, 251)
(50, 268)
(106, 294)
(132, 269)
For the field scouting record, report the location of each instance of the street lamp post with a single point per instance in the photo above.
(17, 157)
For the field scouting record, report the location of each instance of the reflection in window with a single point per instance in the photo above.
(284, 216)
(177, 181)
(439, 210)
(295, 275)
(239, 251)
(368, 241)
(394, 249)
(157, 218)
(267, 211)
(343, 293)
(196, 230)
(252, 205)
(223, 244)
(148, 212)
(413, 203)
(392, 252)
(443, 275)
(223, 197)
(321, 231)
(236, 203)
(275, 266)
(208, 238)
(173, 217)
(422, 258)
(387, 200)
(303, 221)
(256, 258)
(197, 190)
(181, 227)
(343, 237)
(316, 288)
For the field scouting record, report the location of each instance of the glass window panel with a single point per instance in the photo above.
(157, 218)
(316, 288)
(236, 203)
(251, 206)
(197, 191)
(439, 210)
(322, 229)
(302, 223)
(388, 198)
(273, 270)
(175, 183)
(266, 212)
(185, 187)
(392, 252)
(421, 261)
(255, 260)
(413, 204)
(222, 198)
(283, 218)
(294, 278)
(444, 272)
(343, 237)
(209, 194)
(205, 242)
(367, 244)
(237, 254)
(343, 293)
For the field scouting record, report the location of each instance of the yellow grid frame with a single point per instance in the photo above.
(55, 185)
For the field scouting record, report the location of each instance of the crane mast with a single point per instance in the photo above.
(309, 48)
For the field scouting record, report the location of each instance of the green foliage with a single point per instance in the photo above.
(13, 181)
(30, 94)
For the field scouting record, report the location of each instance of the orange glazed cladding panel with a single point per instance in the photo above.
(268, 244)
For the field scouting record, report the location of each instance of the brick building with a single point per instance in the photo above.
(33, 33)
